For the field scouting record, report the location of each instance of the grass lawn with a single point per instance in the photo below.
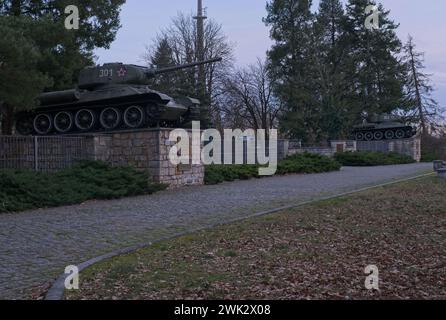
(318, 251)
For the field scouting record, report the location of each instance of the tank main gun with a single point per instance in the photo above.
(151, 73)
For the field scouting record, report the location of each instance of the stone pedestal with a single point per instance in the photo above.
(410, 147)
(147, 150)
(442, 173)
(339, 146)
(439, 164)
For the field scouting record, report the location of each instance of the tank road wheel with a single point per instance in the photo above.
(25, 126)
(378, 135)
(389, 134)
(43, 123)
(153, 114)
(368, 136)
(399, 134)
(85, 119)
(63, 122)
(359, 136)
(134, 117)
(110, 118)
(409, 133)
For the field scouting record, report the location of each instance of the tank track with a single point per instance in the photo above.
(93, 119)
(383, 134)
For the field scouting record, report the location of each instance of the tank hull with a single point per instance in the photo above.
(112, 109)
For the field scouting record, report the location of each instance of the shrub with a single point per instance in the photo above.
(215, 174)
(366, 158)
(307, 163)
(299, 163)
(22, 190)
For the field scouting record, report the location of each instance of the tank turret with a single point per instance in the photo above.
(119, 73)
(111, 97)
(382, 127)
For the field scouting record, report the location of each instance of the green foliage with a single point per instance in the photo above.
(428, 156)
(307, 163)
(35, 30)
(418, 88)
(376, 73)
(161, 58)
(20, 79)
(328, 67)
(64, 51)
(22, 190)
(215, 174)
(299, 163)
(366, 158)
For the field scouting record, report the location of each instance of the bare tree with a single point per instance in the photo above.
(248, 99)
(181, 37)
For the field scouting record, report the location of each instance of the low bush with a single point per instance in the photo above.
(299, 163)
(215, 174)
(366, 158)
(307, 163)
(22, 190)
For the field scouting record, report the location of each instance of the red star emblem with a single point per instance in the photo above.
(122, 72)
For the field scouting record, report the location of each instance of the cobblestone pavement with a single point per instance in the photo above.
(35, 246)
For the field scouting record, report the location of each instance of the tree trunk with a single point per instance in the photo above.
(417, 91)
(7, 119)
(16, 8)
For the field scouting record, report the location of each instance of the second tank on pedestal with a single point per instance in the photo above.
(383, 127)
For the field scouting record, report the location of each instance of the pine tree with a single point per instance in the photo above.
(375, 72)
(289, 60)
(163, 57)
(329, 58)
(418, 101)
(63, 52)
(20, 79)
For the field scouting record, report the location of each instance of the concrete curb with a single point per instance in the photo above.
(56, 291)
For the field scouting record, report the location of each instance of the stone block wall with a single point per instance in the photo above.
(315, 150)
(410, 147)
(329, 151)
(147, 150)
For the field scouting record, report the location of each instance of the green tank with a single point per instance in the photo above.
(112, 97)
(383, 127)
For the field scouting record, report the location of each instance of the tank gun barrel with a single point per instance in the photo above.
(154, 72)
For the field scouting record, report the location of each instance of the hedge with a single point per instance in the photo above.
(22, 190)
(299, 163)
(366, 158)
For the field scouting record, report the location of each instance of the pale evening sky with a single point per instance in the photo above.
(242, 23)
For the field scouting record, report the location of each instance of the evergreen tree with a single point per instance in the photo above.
(20, 79)
(418, 102)
(63, 53)
(375, 71)
(67, 51)
(289, 60)
(163, 57)
(328, 67)
(329, 58)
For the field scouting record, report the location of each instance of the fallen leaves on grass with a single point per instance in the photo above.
(314, 252)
